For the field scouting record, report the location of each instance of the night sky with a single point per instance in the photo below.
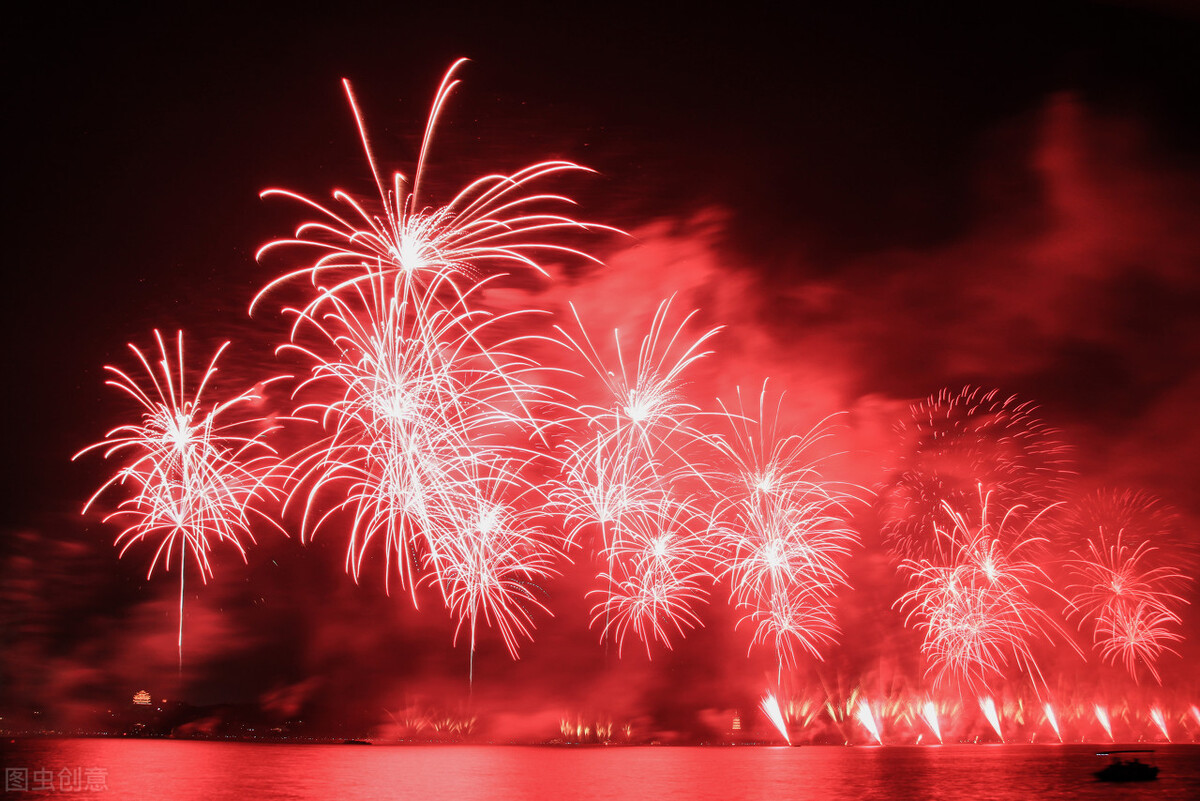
(876, 203)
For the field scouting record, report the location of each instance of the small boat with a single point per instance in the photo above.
(1126, 770)
(356, 742)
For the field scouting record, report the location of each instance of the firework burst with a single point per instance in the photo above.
(973, 599)
(191, 470)
(1123, 585)
(495, 221)
(629, 471)
(644, 415)
(490, 563)
(955, 441)
(781, 534)
(428, 416)
(418, 407)
(656, 575)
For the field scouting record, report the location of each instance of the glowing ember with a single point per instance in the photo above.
(866, 717)
(993, 717)
(770, 707)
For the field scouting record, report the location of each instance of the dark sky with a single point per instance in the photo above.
(142, 142)
(878, 202)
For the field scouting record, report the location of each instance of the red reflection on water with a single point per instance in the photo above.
(187, 770)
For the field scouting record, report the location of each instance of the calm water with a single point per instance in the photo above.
(181, 771)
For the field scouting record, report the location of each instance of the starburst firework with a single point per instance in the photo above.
(190, 470)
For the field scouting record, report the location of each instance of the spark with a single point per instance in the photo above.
(972, 600)
(930, 716)
(1052, 719)
(1156, 714)
(1128, 602)
(1102, 716)
(490, 562)
(191, 471)
(781, 535)
(988, 705)
(770, 708)
(954, 441)
(655, 577)
(866, 717)
(626, 471)
(429, 420)
(644, 415)
(495, 220)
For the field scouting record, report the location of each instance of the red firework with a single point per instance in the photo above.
(656, 575)
(973, 599)
(426, 414)
(1125, 586)
(956, 441)
(781, 535)
(190, 471)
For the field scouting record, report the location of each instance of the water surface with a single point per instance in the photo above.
(186, 770)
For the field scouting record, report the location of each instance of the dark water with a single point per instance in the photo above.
(181, 771)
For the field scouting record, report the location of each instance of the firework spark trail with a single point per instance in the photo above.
(1102, 716)
(493, 559)
(1128, 602)
(426, 413)
(770, 708)
(191, 470)
(988, 705)
(628, 470)
(930, 716)
(1137, 634)
(866, 717)
(656, 576)
(1052, 719)
(781, 534)
(783, 558)
(1156, 714)
(972, 600)
(955, 441)
(597, 488)
(419, 406)
(494, 220)
(643, 420)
